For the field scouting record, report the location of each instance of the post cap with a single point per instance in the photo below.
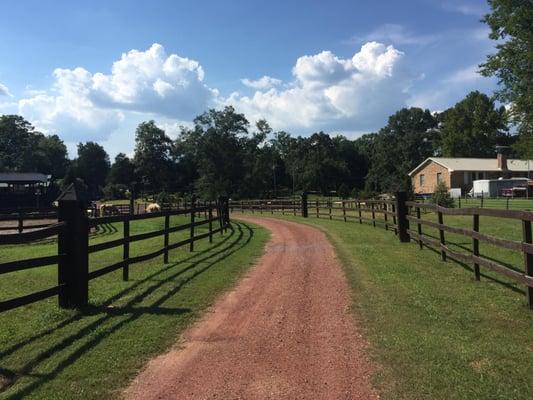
(73, 193)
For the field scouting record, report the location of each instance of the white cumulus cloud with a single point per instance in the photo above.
(82, 103)
(265, 82)
(4, 91)
(330, 92)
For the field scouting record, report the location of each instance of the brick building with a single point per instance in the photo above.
(461, 172)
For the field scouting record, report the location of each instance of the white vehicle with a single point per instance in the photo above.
(495, 187)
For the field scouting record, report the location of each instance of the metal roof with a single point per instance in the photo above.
(8, 177)
(476, 164)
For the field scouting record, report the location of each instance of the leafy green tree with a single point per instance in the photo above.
(16, 143)
(24, 149)
(49, 156)
(153, 157)
(409, 137)
(122, 171)
(217, 149)
(511, 24)
(92, 166)
(473, 127)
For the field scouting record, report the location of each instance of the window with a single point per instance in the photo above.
(439, 177)
(422, 179)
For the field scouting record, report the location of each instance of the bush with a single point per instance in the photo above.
(441, 196)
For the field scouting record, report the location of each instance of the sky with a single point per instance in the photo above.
(93, 70)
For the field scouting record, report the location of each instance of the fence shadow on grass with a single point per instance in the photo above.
(239, 236)
(467, 267)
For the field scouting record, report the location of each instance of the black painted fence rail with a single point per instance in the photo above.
(73, 249)
(405, 219)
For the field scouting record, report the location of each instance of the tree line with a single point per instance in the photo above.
(223, 154)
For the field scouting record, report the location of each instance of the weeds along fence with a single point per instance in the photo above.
(73, 248)
(411, 221)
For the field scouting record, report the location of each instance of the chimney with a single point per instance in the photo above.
(502, 162)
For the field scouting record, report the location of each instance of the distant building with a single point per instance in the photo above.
(23, 190)
(460, 173)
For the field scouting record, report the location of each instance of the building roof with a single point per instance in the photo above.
(476, 164)
(23, 177)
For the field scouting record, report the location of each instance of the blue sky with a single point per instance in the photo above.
(94, 70)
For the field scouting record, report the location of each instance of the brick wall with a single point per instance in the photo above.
(430, 178)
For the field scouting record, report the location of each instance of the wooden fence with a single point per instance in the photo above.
(16, 221)
(405, 219)
(73, 248)
(473, 256)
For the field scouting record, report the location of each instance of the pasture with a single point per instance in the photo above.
(91, 353)
(433, 331)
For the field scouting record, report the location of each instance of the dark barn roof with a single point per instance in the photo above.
(23, 177)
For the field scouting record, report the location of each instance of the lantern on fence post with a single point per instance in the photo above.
(73, 244)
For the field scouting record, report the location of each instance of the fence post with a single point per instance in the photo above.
(360, 213)
(210, 222)
(419, 228)
(528, 259)
(165, 240)
(475, 246)
(73, 242)
(317, 210)
(20, 222)
(330, 203)
(191, 231)
(304, 205)
(507, 203)
(343, 211)
(441, 235)
(373, 215)
(482, 195)
(385, 215)
(126, 249)
(132, 201)
(401, 217)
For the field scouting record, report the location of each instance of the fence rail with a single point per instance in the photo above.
(73, 249)
(406, 220)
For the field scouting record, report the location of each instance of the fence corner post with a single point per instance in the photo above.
(401, 217)
(305, 213)
(73, 244)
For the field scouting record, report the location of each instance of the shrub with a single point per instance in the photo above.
(441, 196)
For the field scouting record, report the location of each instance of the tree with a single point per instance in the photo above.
(216, 147)
(152, 159)
(49, 156)
(122, 171)
(26, 150)
(409, 137)
(472, 127)
(510, 22)
(92, 166)
(16, 143)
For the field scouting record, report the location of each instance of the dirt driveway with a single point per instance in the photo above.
(284, 332)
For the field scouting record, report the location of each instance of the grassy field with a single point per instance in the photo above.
(434, 332)
(50, 353)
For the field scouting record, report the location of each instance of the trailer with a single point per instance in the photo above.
(498, 187)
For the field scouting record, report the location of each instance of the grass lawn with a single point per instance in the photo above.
(50, 353)
(434, 332)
